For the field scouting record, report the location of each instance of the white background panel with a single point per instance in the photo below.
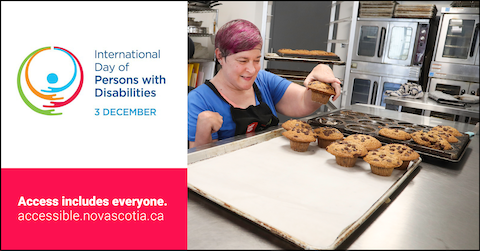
(78, 138)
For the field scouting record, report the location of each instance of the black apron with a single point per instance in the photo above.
(254, 118)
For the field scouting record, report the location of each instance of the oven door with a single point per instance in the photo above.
(458, 39)
(362, 88)
(369, 41)
(447, 86)
(389, 84)
(400, 43)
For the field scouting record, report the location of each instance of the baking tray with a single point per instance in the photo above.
(275, 56)
(350, 122)
(304, 197)
(326, 57)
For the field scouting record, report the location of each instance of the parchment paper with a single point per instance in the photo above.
(305, 195)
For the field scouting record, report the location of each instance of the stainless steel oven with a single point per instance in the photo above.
(398, 41)
(455, 67)
(399, 48)
(457, 45)
(453, 87)
(458, 36)
(369, 88)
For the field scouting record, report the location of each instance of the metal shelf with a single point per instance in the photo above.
(457, 46)
(460, 36)
(199, 35)
(343, 20)
(199, 60)
(274, 56)
(195, 9)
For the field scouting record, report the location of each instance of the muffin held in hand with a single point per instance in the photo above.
(300, 138)
(346, 152)
(321, 92)
(405, 153)
(368, 141)
(448, 129)
(326, 135)
(431, 140)
(382, 162)
(291, 123)
(395, 133)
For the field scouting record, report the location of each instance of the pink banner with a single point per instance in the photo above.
(94, 208)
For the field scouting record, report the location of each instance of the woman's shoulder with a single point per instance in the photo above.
(266, 77)
(263, 74)
(200, 90)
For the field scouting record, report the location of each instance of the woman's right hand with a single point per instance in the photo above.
(324, 73)
(211, 120)
(208, 122)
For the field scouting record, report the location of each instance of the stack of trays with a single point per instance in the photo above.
(376, 8)
(415, 11)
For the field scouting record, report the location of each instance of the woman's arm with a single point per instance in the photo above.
(297, 101)
(208, 122)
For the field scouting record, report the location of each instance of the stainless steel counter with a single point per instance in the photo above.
(426, 103)
(438, 208)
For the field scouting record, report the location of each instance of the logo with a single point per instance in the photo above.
(251, 127)
(46, 73)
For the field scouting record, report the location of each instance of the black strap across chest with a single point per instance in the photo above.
(258, 94)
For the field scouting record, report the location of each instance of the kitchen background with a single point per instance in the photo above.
(313, 25)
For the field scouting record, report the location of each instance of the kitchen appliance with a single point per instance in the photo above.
(398, 41)
(389, 52)
(455, 67)
(453, 87)
(369, 88)
(458, 36)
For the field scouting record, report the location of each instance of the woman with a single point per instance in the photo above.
(241, 98)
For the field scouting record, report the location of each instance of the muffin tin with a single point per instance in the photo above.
(351, 122)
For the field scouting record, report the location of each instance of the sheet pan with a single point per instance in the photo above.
(305, 198)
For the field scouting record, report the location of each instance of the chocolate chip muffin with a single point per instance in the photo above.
(449, 137)
(368, 141)
(381, 162)
(291, 123)
(321, 92)
(300, 138)
(346, 152)
(431, 140)
(394, 133)
(448, 129)
(327, 135)
(405, 153)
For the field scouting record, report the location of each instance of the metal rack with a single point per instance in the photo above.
(194, 9)
(207, 65)
(274, 56)
(343, 42)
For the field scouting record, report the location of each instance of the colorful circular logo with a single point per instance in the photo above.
(47, 72)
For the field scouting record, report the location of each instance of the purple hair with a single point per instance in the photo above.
(236, 36)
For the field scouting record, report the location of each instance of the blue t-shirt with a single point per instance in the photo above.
(202, 98)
